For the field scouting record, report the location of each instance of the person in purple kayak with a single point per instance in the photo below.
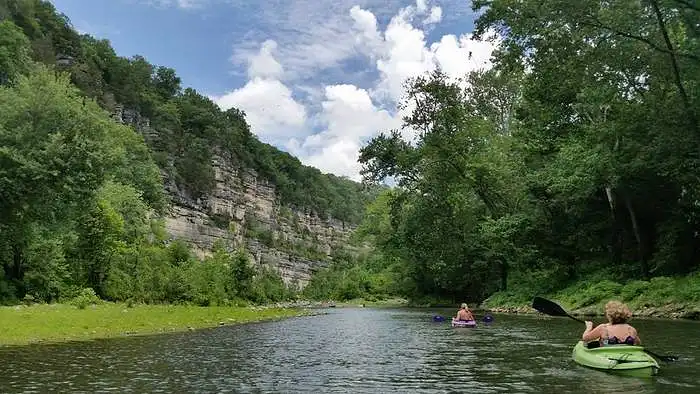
(464, 314)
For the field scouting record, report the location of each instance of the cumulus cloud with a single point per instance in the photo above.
(349, 118)
(263, 64)
(273, 113)
(335, 120)
(368, 39)
(434, 17)
(408, 55)
(269, 106)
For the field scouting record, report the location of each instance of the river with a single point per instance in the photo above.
(356, 350)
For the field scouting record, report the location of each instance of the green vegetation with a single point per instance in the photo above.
(81, 194)
(345, 283)
(659, 296)
(568, 169)
(59, 323)
(573, 162)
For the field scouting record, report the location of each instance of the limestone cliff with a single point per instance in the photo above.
(243, 210)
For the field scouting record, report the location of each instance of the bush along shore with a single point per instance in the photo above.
(53, 323)
(660, 297)
(394, 302)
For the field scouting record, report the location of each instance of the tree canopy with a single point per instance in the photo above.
(575, 155)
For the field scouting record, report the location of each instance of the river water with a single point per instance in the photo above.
(351, 350)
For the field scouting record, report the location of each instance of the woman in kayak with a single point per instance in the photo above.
(464, 314)
(616, 331)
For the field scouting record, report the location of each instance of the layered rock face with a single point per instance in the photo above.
(244, 211)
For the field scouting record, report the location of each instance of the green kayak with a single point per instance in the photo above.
(623, 359)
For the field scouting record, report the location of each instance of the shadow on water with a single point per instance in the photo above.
(350, 350)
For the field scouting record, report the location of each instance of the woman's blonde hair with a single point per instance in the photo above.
(617, 312)
(464, 306)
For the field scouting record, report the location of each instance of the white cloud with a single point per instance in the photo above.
(270, 109)
(434, 17)
(406, 57)
(186, 4)
(409, 56)
(349, 117)
(368, 39)
(264, 64)
(335, 120)
(312, 36)
(459, 56)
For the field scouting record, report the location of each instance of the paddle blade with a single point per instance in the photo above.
(662, 358)
(548, 307)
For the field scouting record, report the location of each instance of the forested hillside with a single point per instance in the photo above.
(81, 195)
(573, 161)
(572, 166)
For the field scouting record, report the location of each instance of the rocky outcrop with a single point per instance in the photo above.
(243, 211)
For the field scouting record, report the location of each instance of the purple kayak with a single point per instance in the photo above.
(463, 323)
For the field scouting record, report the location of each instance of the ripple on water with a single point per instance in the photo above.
(348, 350)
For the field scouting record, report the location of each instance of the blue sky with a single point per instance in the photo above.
(316, 78)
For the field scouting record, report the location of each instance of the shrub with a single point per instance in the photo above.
(86, 297)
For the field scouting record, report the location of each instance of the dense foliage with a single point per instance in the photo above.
(576, 156)
(77, 194)
(80, 193)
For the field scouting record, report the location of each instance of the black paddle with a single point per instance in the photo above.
(553, 309)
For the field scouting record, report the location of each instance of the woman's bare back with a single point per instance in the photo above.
(619, 333)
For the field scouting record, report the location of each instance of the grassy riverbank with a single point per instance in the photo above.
(60, 323)
(659, 297)
(354, 303)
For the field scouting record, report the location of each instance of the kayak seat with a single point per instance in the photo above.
(592, 345)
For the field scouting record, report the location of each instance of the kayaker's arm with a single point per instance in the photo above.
(637, 340)
(591, 333)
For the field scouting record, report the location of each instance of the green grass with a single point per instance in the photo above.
(660, 296)
(383, 303)
(60, 323)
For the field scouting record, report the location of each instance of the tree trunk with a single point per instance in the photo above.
(504, 275)
(638, 237)
(611, 200)
(676, 67)
(17, 271)
(616, 233)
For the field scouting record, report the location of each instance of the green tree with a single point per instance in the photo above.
(52, 157)
(15, 52)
